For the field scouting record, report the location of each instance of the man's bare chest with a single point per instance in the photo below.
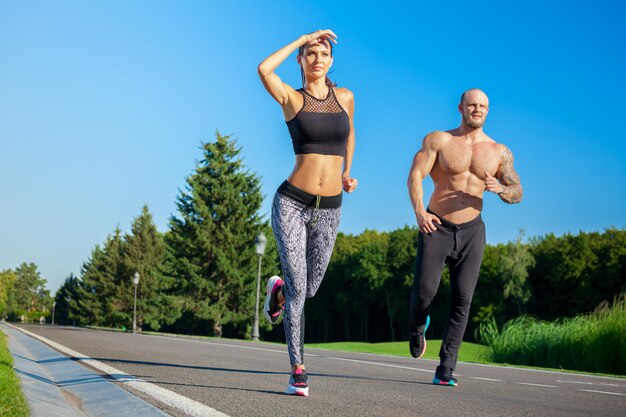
(459, 158)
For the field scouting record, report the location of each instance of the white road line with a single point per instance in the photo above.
(282, 351)
(172, 399)
(207, 342)
(591, 383)
(576, 382)
(486, 379)
(243, 347)
(430, 371)
(537, 385)
(602, 392)
(545, 371)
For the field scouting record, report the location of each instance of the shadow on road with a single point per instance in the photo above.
(247, 371)
(185, 366)
(182, 366)
(218, 387)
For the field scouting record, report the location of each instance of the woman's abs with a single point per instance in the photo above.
(317, 174)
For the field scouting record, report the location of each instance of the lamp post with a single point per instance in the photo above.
(54, 303)
(259, 244)
(136, 282)
(93, 296)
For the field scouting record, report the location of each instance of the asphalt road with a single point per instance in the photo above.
(241, 378)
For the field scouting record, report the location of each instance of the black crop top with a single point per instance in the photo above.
(321, 126)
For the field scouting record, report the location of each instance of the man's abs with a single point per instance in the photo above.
(457, 200)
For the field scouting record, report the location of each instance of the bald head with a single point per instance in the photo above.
(474, 92)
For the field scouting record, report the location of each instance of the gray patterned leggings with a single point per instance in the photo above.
(305, 237)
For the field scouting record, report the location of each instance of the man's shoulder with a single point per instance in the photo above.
(437, 137)
(500, 149)
(441, 133)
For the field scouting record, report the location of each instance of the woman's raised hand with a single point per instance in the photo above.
(319, 36)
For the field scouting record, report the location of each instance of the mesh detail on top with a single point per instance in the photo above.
(327, 105)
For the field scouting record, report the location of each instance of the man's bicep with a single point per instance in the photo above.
(421, 164)
(507, 174)
(426, 156)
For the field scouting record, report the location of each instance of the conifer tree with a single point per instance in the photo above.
(67, 297)
(211, 244)
(106, 282)
(144, 252)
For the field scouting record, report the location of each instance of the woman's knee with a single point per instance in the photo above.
(296, 292)
(310, 292)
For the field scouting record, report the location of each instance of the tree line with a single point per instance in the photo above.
(366, 292)
(199, 277)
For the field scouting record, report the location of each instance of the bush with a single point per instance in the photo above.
(594, 342)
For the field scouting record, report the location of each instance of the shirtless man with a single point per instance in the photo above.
(463, 163)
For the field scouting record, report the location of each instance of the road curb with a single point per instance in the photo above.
(55, 385)
(169, 398)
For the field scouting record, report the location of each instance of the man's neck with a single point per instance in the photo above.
(473, 134)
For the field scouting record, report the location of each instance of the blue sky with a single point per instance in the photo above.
(103, 106)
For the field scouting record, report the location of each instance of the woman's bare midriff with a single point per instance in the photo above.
(317, 174)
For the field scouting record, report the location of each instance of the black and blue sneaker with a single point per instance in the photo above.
(443, 376)
(417, 341)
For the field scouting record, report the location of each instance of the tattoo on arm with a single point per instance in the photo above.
(509, 179)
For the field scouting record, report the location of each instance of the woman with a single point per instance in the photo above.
(307, 206)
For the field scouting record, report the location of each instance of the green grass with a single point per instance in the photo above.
(593, 343)
(469, 352)
(12, 400)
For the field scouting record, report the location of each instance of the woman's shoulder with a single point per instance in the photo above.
(343, 93)
(345, 98)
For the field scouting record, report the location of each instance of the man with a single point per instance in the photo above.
(463, 163)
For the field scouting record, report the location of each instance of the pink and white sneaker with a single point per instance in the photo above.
(298, 384)
(272, 310)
